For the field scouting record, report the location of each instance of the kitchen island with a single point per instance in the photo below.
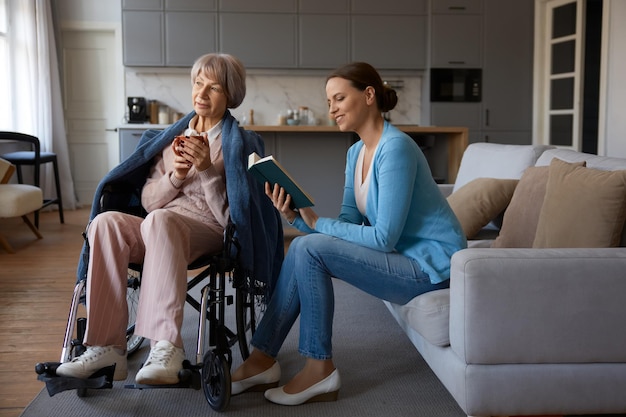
(315, 156)
(455, 138)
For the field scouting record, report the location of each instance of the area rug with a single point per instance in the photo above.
(382, 375)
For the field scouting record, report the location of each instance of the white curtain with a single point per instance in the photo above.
(36, 94)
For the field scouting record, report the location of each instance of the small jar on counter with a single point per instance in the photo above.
(154, 112)
(164, 115)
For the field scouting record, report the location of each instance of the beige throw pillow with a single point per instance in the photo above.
(583, 207)
(521, 216)
(476, 203)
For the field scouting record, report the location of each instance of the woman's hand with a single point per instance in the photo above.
(282, 202)
(191, 151)
(181, 165)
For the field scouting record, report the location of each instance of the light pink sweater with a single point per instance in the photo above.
(201, 195)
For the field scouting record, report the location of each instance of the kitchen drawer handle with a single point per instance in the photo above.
(456, 62)
(457, 8)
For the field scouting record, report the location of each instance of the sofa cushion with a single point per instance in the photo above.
(583, 207)
(429, 315)
(479, 201)
(521, 216)
(520, 220)
(496, 160)
(604, 163)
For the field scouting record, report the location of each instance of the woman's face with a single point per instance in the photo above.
(209, 100)
(347, 105)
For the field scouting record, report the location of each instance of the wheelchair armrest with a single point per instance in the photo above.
(122, 196)
(230, 240)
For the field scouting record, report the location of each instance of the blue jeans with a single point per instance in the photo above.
(304, 287)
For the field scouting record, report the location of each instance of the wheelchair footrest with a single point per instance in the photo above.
(55, 383)
(189, 377)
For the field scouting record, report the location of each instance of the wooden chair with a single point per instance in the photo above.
(17, 200)
(34, 157)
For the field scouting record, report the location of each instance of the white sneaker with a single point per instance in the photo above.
(162, 366)
(94, 359)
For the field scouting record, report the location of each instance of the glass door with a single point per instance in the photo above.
(561, 77)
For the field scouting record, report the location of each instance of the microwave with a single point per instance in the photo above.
(456, 84)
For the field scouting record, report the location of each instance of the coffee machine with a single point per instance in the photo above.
(137, 110)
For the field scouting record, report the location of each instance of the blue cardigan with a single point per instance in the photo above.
(258, 224)
(406, 212)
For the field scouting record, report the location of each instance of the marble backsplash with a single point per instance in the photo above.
(268, 95)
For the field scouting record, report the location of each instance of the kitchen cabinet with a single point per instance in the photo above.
(402, 45)
(279, 34)
(168, 37)
(316, 161)
(129, 139)
(188, 36)
(457, 6)
(324, 6)
(143, 38)
(456, 41)
(142, 4)
(507, 71)
(395, 7)
(458, 114)
(260, 40)
(323, 41)
(191, 5)
(274, 6)
(505, 113)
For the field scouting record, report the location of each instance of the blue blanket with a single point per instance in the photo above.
(258, 224)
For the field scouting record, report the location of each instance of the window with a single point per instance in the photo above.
(5, 85)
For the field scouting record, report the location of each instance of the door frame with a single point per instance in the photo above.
(541, 83)
(117, 107)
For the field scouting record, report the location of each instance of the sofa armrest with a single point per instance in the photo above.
(538, 305)
(446, 189)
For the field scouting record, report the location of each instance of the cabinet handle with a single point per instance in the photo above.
(111, 130)
(456, 62)
(486, 117)
(456, 8)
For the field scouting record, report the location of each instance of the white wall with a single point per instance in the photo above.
(88, 10)
(615, 127)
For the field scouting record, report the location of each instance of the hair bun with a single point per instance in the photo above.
(389, 99)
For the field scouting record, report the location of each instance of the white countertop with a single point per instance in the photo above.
(143, 126)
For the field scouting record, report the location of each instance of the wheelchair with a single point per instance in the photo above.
(211, 371)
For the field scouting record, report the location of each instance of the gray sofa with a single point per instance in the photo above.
(527, 331)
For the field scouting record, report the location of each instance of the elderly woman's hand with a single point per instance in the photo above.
(181, 165)
(190, 151)
(198, 152)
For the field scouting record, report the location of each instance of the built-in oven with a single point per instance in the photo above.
(456, 84)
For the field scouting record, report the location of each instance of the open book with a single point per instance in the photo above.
(268, 169)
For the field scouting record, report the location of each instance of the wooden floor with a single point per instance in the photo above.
(36, 285)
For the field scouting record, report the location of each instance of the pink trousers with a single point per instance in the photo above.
(165, 243)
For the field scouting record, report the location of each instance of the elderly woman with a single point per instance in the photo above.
(196, 180)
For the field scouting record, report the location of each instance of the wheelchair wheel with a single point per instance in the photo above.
(216, 380)
(249, 306)
(133, 342)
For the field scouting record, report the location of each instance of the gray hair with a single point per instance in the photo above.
(229, 73)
